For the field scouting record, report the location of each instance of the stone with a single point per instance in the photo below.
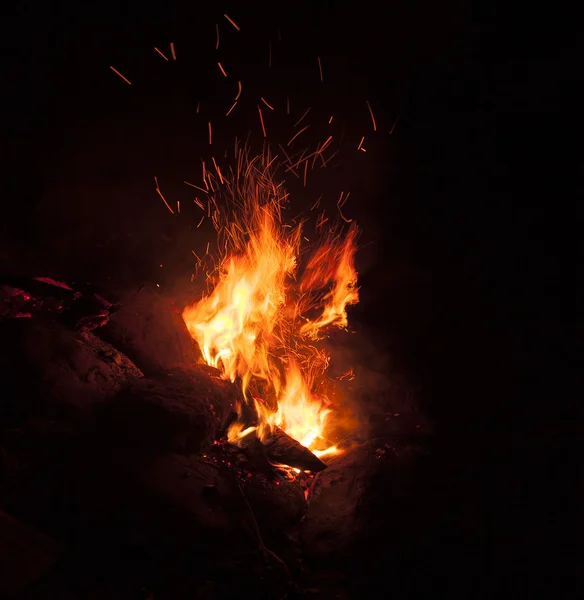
(148, 328)
(182, 411)
(52, 370)
(359, 491)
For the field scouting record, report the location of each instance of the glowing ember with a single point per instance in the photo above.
(251, 325)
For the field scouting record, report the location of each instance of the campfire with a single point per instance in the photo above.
(206, 430)
(253, 324)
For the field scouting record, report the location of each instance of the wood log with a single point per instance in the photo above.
(280, 449)
(78, 306)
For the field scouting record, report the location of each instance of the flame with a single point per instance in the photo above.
(251, 325)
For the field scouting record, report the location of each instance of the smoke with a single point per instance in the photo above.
(376, 390)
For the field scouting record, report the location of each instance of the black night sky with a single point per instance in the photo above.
(471, 232)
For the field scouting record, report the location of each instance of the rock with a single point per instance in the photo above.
(359, 491)
(181, 499)
(168, 518)
(53, 370)
(150, 330)
(180, 412)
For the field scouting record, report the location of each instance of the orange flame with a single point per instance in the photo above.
(251, 325)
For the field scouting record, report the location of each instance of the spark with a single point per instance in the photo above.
(303, 158)
(316, 204)
(218, 170)
(372, 117)
(305, 171)
(198, 107)
(172, 51)
(210, 134)
(217, 31)
(340, 203)
(199, 203)
(161, 53)
(330, 120)
(262, 120)
(196, 255)
(232, 107)
(302, 117)
(207, 251)
(320, 68)
(329, 158)
(297, 134)
(202, 219)
(326, 143)
(164, 200)
(196, 187)
(394, 124)
(222, 69)
(266, 103)
(350, 373)
(232, 22)
(120, 75)
(238, 91)
(362, 149)
(178, 206)
(361, 143)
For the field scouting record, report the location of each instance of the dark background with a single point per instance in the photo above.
(469, 210)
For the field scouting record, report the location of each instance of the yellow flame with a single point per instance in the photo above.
(250, 325)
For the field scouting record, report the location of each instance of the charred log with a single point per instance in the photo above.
(280, 449)
(78, 306)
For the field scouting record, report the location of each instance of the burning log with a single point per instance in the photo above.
(180, 412)
(280, 448)
(150, 331)
(57, 370)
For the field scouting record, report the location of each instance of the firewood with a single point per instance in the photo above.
(280, 449)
